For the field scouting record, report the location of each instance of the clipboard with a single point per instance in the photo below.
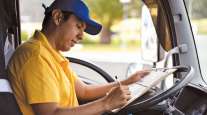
(146, 83)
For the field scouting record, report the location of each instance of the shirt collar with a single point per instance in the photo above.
(44, 41)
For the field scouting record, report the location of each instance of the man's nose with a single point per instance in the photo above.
(80, 35)
(81, 32)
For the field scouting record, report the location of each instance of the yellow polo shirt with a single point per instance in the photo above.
(39, 74)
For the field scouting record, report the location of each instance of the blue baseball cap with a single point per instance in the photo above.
(79, 9)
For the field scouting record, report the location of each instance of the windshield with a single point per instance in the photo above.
(118, 44)
(198, 17)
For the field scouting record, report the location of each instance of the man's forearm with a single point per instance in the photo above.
(97, 91)
(94, 108)
(91, 92)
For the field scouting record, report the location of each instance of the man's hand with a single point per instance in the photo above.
(116, 97)
(135, 77)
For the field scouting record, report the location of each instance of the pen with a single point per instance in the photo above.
(150, 88)
(166, 68)
(118, 81)
(142, 85)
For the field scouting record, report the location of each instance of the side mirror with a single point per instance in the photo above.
(149, 40)
(149, 44)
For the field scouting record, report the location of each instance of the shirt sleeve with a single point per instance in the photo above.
(72, 76)
(39, 81)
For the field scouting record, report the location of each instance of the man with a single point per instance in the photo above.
(43, 81)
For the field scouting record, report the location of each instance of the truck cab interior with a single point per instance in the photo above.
(171, 41)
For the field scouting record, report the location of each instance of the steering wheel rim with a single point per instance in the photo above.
(146, 103)
(97, 69)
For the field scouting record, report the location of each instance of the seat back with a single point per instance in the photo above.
(8, 104)
(9, 37)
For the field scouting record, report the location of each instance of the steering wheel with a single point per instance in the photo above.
(149, 102)
(139, 105)
(95, 68)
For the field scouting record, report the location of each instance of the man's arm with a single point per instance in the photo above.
(53, 109)
(116, 98)
(91, 92)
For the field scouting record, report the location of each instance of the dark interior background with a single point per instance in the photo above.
(9, 23)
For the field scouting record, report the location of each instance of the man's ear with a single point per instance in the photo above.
(57, 16)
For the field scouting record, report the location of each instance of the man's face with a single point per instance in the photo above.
(70, 33)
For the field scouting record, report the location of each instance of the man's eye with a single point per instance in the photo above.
(78, 26)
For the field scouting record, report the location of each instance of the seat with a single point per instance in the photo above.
(8, 104)
(9, 21)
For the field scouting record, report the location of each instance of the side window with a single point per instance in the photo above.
(155, 39)
(155, 33)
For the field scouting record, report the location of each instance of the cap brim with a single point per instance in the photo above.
(92, 27)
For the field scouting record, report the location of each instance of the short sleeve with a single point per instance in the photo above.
(39, 81)
(72, 76)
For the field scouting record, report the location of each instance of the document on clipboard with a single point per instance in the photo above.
(146, 83)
